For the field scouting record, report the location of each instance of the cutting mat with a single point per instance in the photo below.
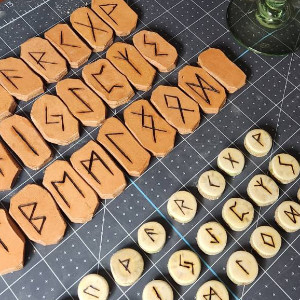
(270, 100)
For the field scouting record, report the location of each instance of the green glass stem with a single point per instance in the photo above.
(273, 13)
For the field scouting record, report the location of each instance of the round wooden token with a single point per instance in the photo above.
(231, 161)
(242, 268)
(212, 238)
(211, 290)
(284, 168)
(258, 142)
(211, 185)
(127, 266)
(184, 267)
(266, 241)
(238, 213)
(287, 216)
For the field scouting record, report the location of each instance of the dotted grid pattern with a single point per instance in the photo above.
(270, 100)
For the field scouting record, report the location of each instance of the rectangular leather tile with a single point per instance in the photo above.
(203, 88)
(127, 59)
(40, 55)
(73, 195)
(156, 50)
(69, 45)
(219, 66)
(83, 103)
(99, 170)
(117, 139)
(54, 121)
(177, 108)
(117, 14)
(22, 137)
(96, 32)
(108, 82)
(149, 128)
(19, 80)
(7, 104)
(37, 214)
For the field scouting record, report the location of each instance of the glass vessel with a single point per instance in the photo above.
(266, 26)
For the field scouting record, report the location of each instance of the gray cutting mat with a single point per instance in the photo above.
(269, 100)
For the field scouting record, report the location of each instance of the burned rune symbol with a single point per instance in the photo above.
(36, 222)
(38, 57)
(108, 10)
(212, 293)
(74, 92)
(56, 183)
(150, 232)
(125, 264)
(54, 122)
(108, 135)
(94, 157)
(284, 164)
(181, 206)
(239, 264)
(92, 291)
(260, 183)
(243, 214)
(200, 85)
(210, 182)
(177, 107)
(152, 125)
(91, 26)
(232, 161)
(268, 239)
(215, 240)
(62, 42)
(25, 140)
(257, 138)
(157, 294)
(292, 214)
(154, 44)
(186, 264)
(126, 58)
(9, 78)
(4, 246)
(99, 82)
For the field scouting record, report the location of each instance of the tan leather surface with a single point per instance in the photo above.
(156, 50)
(73, 195)
(99, 170)
(127, 59)
(19, 80)
(217, 64)
(108, 82)
(203, 88)
(177, 108)
(41, 56)
(12, 244)
(68, 44)
(118, 140)
(9, 169)
(83, 103)
(22, 137)
(96, 32)
(54, 121)
(7, 104)
(35, 211)
(117, 14)
(149, 128)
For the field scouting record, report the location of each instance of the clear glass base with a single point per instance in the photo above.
(257, 31)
